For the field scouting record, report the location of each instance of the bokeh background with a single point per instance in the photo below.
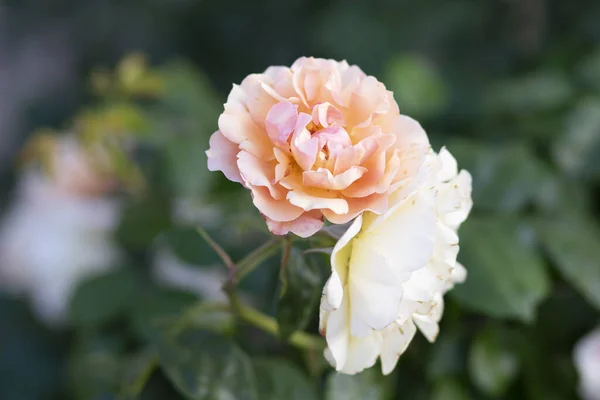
(512, 88)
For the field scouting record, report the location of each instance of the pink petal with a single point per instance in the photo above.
(304, 226)
(222, 156)
(303, 146)
(280, 123)
(335, 138)
(326, 114)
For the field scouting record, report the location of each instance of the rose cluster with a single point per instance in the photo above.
(322, 140)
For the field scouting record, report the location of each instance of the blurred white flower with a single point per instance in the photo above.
(57, 232)
(587, 362)
(390, 271)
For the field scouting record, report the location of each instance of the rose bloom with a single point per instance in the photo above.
(319, 139)
(57, 231)
(390, 271)
(587, 362)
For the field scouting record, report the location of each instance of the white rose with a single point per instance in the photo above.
(587, 362)
(55, 234)
(389, 272)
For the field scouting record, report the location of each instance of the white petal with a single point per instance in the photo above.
(375, 290)
(448, 166)
(396, 339)
(406, 238)
(340, 257)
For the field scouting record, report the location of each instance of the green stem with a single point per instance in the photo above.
(268, 324)
(254, 259)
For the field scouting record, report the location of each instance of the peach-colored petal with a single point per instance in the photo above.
(277, 210)
(280, 123)
(304, 226)
(256, 172)
(355, 155)
(258, 102)
(222, 156)
(369, 98)
(283, 164)
(377, 203)
(324, 179)
(308, 202)
(320, 138)
(239, 128)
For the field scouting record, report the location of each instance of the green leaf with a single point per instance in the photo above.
(203, 365)
(279, 379)
(368, 385)
(574, 247)
(576, 150)
(493, 364)
(101, 299)
(506, 276)
(136, 373)
(301, 290)
(505, 178)
(449, 389)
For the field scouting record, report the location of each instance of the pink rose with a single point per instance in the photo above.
(319, 139)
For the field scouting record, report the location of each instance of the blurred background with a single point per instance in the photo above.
(90, 257)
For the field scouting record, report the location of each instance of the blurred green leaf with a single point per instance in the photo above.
(506, 276)
(493, 364)
(448, 389)
(143, 220)
(152, 304)
(576, 150)
(279, 379)
(187, 244)
(447, 356)
(206, 366)
(190, 101)
(301, 290)
(505, 178)
(137, 371)
(186, 164)
(95, 369)
(418, 87)
(589, 69)
(574, 247)
(102, 298)
(539, 91)
(368, 385)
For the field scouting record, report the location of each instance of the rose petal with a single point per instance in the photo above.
(222, 156)
(308, 202)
